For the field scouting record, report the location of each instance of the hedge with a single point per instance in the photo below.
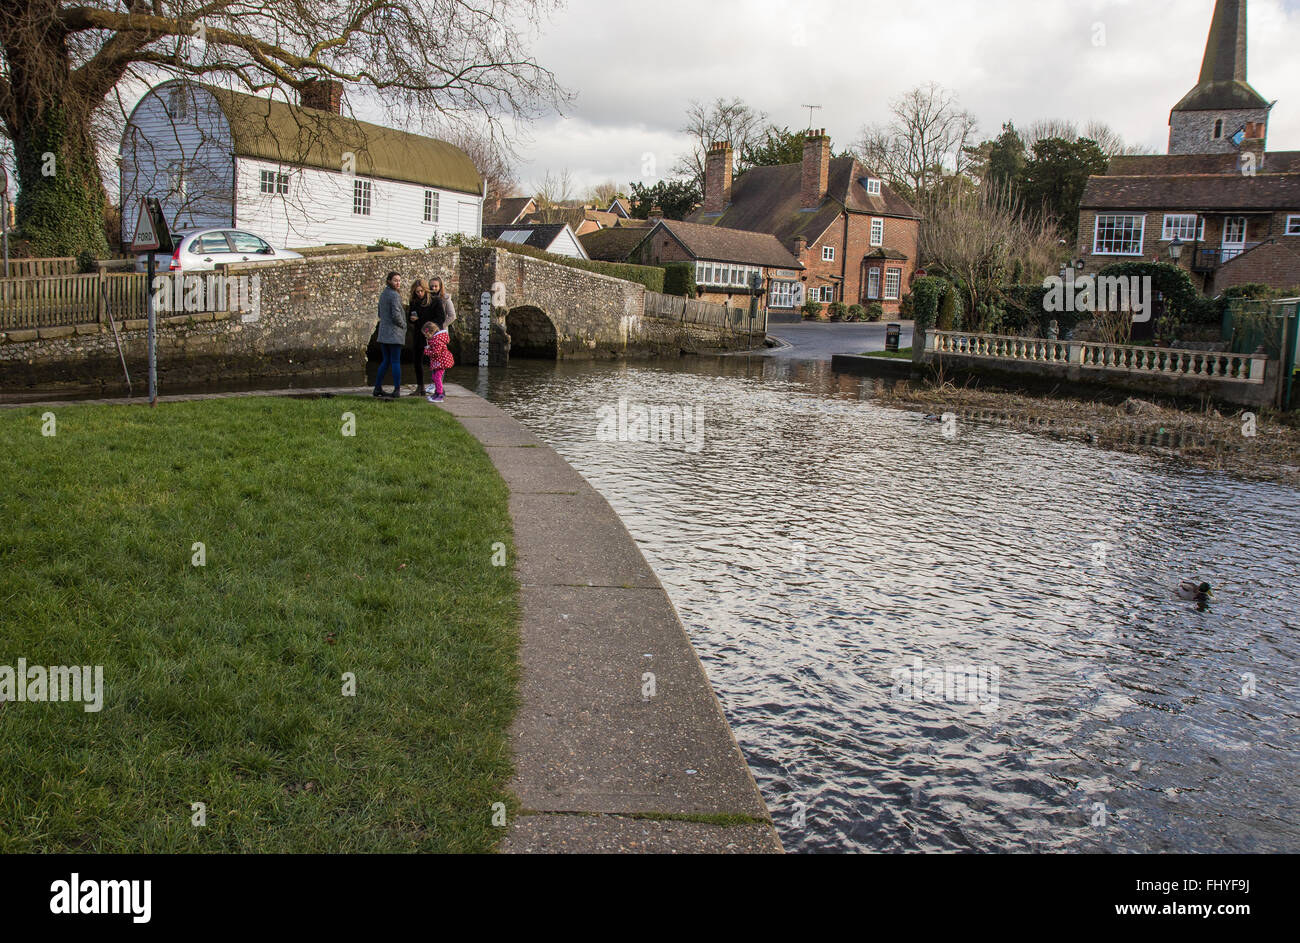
(651, 276)
(926, 293)
(678, 279)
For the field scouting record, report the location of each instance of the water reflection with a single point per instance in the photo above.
(819, 544)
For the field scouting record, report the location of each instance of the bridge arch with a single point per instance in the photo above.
(532, 333)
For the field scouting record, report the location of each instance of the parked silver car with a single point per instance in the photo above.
(202, 250)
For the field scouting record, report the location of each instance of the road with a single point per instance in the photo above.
(813, 340)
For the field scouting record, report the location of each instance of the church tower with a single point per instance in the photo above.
(1222, 114)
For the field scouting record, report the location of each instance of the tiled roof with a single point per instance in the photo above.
(720, 244)
(1275, 162)
(613, 244)
(766, 199)
(509, 211)
(1286, 259)
(540, 235)
(1203, 192)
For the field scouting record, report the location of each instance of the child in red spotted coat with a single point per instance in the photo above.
(440, 358)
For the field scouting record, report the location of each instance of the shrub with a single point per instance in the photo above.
(387, 244)
(837, 310)
(926, 294)
(875, 311)
(950, 310)
(905, 308)
(812, 310)
(856, 313)
(651, 276)
(1183, 303)
(679, 279)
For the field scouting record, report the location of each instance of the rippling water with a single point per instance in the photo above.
(818, 544)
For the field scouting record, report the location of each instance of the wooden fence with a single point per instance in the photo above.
(40, 268)
(60, 300)
(705, 313)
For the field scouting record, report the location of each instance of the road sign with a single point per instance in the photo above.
(151, 230)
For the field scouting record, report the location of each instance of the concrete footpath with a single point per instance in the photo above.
(602, 763)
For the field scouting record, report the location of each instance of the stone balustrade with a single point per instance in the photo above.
(1153, 361)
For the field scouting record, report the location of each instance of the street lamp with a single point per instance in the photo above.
(1176, 250)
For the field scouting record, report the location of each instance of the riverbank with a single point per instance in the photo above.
(620, 743)
(1219, 440)
(305, 645)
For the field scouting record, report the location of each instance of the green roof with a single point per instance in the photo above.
(278, 131)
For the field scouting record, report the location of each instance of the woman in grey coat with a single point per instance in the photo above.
(391, 335)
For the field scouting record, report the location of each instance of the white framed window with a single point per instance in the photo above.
(275, 181)
(873, 283)
(361, 197)
(877, 232)
(1118, 235)
(430, 206)
(828, 253)
(178, 101)
(178, 183)
(893, 282)
(1293, 225)
(782, 295)
(1185, 226)
(873, 187)
(827, 293)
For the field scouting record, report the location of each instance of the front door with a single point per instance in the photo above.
(1234, 237)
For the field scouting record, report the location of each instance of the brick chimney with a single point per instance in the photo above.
(717, 177)
(655, 212)
(816, 168)
(325, 94)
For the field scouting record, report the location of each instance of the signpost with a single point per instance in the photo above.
(151, 235)
(4, 225)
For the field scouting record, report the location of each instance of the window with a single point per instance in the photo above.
(726, 276)
(1218, 129)
(178, 102)
(873, 283)
(782, 295)
(1119, 235)
(827, 293)
(210, 242)
(893, 281)
(430, 206)
(178, 180)
(1187, 227)
(877, 232)
(246, 242)
(828, 253)
(1293, 225)
(361, 197)
(274, 181)
(873, 187)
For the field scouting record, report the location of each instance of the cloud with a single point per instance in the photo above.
(636, 66)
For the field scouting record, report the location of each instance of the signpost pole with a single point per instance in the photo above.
(4, 222)
(153, 326)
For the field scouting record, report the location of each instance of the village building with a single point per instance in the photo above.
(557, 238)
(1219, 204)
(506, 210)
(853, 238)
(725, 260)
(297, 175)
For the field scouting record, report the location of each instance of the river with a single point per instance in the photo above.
(829, 555)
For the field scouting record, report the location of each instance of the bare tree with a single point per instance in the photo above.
(60, 60)
(980, 235)
(928, 137)
(554, 190)
(603, 194)
(1108, 139)
(491, 157)
(721, 120)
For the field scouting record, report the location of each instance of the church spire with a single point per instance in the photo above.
(1225, 51)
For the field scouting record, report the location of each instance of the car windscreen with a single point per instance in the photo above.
(209, 242)
(246, 242)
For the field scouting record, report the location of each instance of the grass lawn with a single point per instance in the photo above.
(904, 353)
(223, 683)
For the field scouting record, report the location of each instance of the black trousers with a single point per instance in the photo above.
(417, 361)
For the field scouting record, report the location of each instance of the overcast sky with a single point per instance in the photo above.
(635, 65)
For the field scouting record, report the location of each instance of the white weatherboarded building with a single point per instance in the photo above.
(298, 176)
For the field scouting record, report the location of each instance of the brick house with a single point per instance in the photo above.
(1218, 194)
(725, 259)
(855, 240)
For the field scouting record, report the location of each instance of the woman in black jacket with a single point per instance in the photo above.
(422, 309)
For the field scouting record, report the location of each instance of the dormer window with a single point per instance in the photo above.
(1218, 129)
(873, 187)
